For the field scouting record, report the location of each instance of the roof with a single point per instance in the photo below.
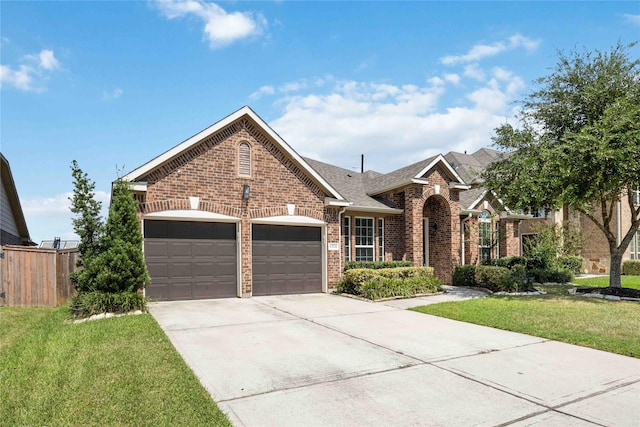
(408, 174)
(14, 200)
(245, 111)
(352, 185)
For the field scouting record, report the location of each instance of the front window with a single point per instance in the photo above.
(636, 196)
(485, 235)
(347, 238)
(364, 239)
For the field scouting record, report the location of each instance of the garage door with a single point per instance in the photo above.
(190, 260)
(286, 259)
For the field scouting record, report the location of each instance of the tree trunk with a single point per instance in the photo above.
(615, 268)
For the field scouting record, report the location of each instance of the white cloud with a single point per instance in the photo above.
(395, 125)
(475, 72)
(264, 90)
(221, 28)
(30, 77)
(47, 60)
(49, 217)
(114, 94)
(632, 19)
(481, 51)
(21, 78)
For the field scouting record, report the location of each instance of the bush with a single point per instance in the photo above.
(85, 304)
(556, 275)
(386, 287)
(506, 262)
(464, 275)
(573, 263)
(495, 279)
(358, 276)
(631, 268)
(349, 265)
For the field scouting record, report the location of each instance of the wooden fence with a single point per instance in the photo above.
(34, 277)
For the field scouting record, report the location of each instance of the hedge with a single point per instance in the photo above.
(555, 275)
(388, 282)
(495, 279)
(631, 268)
(386, 287)
(350, 265)
(464, 275)
(358, 276)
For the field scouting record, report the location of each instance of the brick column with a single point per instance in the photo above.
(413, 207)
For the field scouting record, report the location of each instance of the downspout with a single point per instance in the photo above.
(463, 237)
(340, 212)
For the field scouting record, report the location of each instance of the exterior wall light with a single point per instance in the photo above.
(245, 192)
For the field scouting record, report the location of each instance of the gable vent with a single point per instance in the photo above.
(244, 159)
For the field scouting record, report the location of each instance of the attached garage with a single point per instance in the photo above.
(287, 259)
(190, 259)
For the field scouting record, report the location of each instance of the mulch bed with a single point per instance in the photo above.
(618, 292)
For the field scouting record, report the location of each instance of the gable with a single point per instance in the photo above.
(201, 143)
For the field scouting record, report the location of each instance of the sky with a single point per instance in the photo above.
(114, 84)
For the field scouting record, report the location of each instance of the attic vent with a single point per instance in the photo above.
(244, 159)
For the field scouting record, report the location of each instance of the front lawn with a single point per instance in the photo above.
(119, 371)
(632, 282)
(612, 326)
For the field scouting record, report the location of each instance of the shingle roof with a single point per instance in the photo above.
(469, 167)
(398, 176)
(351, 185)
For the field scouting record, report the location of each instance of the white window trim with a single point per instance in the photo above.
(346, 228)
(481, 242)
(380, 227)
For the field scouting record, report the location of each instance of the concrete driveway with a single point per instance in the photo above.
(326, 360)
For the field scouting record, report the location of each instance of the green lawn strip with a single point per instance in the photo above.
(612, 326)
(603, 281)
(119, 371)
(15, 322)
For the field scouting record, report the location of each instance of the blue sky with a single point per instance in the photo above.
(114, 84)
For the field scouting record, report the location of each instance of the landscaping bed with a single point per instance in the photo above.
(379, 284)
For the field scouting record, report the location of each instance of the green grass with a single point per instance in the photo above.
(118, 371)
(603, 281)
(612, 326)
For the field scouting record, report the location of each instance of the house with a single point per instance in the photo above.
(234, 211)
(13, 227)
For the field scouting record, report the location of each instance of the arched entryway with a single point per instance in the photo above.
(436, 234)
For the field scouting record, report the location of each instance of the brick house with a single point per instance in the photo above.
(234, 211)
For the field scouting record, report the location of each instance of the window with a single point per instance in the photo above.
(346, 231)
(485, 235)
(380, 239)
(636, 196)
(364, 239)
(496, 235)
(244, 159)
(635, 247)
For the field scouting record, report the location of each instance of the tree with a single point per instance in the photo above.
(121, 263)
(87, 224)
(578, 144)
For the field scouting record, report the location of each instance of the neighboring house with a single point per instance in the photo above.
(13, 227)
(235, 211)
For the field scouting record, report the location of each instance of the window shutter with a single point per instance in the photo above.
(244, 159)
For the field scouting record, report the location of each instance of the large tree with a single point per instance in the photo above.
(578, 144)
